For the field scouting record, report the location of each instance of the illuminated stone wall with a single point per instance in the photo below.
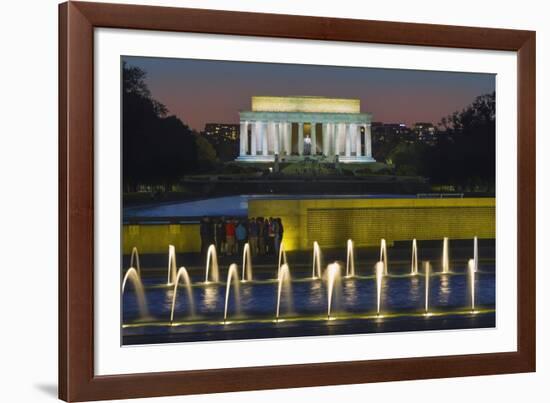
(332, 221)
(305, 104)
(155, 238)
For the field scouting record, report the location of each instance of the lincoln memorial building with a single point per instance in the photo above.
(303, 126)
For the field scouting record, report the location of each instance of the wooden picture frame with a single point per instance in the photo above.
(77, 381)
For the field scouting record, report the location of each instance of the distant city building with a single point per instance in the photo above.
(391, 132)
(222, 131)
(377, 129)
(396, 128)
(425, 132)
(292, 128)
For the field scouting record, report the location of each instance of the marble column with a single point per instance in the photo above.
(253, 143)
(281, 138)
(332, 139)
(347, 133)
(284, 138)
(337, 135)
(352, 137)
(301, 138)
(288, 138)
(263, 132)
(258, 135)
(325, 139)
(358, 140)
(276, 138)
(271, 134)
(243, 136)
(368, 139)
(313, 136)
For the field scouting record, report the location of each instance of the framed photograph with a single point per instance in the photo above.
(254, 201)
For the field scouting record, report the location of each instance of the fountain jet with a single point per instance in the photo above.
(472, 275)
(171, 265)
(247, 264)
(134, 260)
(282, 258)
(384, 255)
(350, 260)
(427, 269)
(414, 259)
(445, 262)
(379, 271)
(212, 263)
(316, 269)
(333, 281)
(283, 280)
(476, 256)
(232, 278)
(182, 274)
(133, 276)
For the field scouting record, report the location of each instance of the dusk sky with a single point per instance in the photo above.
(204, 91)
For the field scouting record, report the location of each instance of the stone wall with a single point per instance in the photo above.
(155, 238)
(332, 221)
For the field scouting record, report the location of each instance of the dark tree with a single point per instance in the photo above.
(410, 158)
(226, 149)
(466, 152)
(158, 149)
(134, 85)
(464, 155)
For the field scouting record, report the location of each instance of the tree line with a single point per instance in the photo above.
(157, 148)
(464, 154)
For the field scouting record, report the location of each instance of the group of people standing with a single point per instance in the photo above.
(264, 236)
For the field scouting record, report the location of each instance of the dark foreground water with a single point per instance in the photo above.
(251, 310)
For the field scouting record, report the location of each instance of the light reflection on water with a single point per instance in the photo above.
(351, 296)
(316, 294)
(414, 290)
(444, 289)
(168, 298)
(211, 297)
(247, 301)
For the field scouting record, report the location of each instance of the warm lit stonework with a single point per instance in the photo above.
(293, 128)
(305, 104)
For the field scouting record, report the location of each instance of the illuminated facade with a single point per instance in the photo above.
(294, 128)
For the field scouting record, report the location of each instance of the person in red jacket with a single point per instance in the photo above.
(230, 236)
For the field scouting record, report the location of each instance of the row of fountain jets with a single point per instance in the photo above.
(333, 274)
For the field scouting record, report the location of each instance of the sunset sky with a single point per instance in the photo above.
(204, 91)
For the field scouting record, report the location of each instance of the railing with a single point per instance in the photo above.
(439, 195)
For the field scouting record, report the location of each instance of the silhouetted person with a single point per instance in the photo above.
(223, 236)
(219, 234)
(241, 235)
(253, 235)
(276, 237)
(270, 237)
(278, 231)
(230, 237)
(261, 236)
